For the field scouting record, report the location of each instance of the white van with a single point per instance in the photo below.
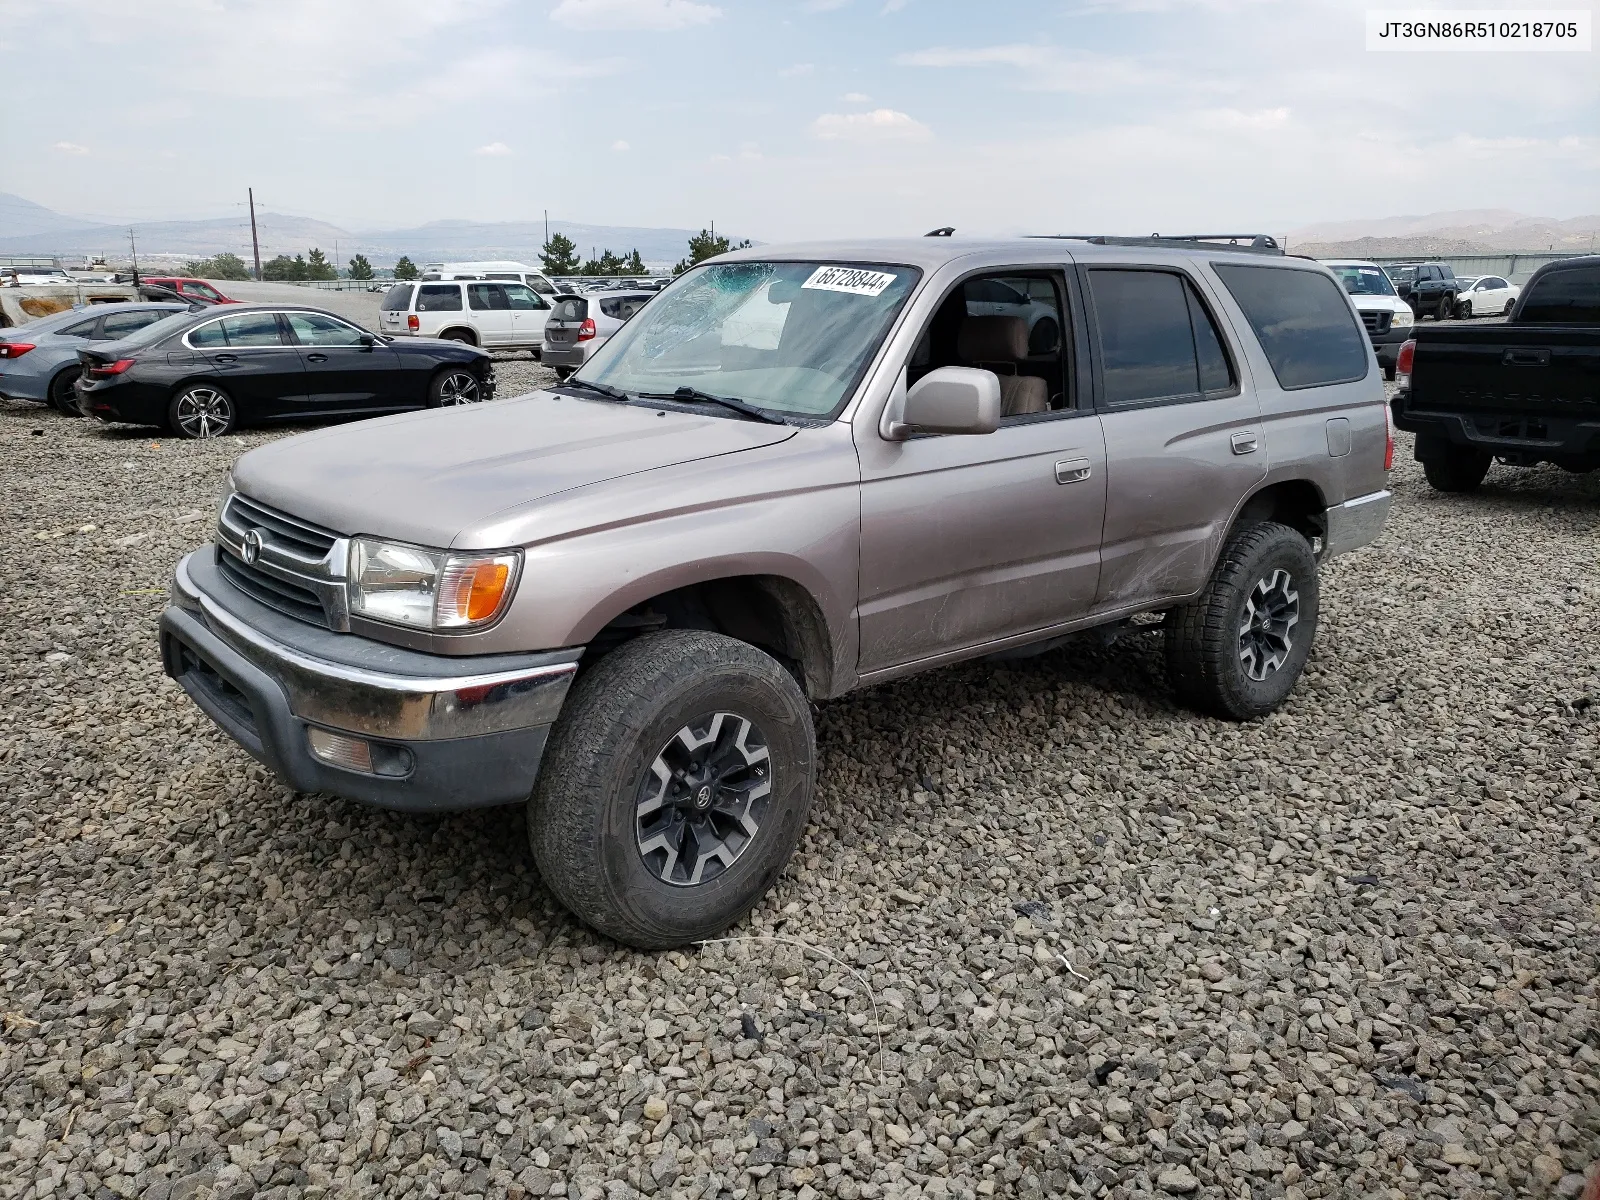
(510, 272)
(495, 314)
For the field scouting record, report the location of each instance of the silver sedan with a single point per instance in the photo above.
(39, 360)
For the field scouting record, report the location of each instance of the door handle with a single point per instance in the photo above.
(1244, 442)
(316, 358)
(1526, 358)
(227, 358)
(1073, 470)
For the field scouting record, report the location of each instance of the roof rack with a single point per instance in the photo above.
(1256, 243)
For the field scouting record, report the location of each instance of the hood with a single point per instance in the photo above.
(426, 477)
(1380, 304)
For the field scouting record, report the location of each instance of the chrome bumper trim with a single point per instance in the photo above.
(1355, 523)
(359, 700)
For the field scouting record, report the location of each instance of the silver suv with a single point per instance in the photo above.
(794, 473)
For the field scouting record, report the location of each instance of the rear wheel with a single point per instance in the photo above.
(459, 335)
(1451, 468)
(202, 410)
(1236, 650)
(1506, 311)
(62, 397)
(1444, 308)
(674, 788)
(454, 386)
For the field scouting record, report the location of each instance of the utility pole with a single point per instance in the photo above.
(255, 242)
(134, 251)
(547, 227)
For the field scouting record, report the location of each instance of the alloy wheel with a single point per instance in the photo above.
(459, 387)
(702, 799)
(1266, 631)
(203, 412)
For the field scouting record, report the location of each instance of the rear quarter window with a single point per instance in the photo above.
(439, 298)
(396, 299)
(1569, 297)
(1306, 327)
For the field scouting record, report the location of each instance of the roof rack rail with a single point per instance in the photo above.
(1257, 243)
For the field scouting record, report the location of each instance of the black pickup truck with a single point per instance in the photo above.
(1522, 392)
(1430, 288)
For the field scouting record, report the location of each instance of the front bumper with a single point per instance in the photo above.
(1355, 523)
(447, 733)
(1387, 344)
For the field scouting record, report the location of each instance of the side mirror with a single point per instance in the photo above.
(951, 400)
(368, 340)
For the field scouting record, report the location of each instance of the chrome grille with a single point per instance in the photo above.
(1376, 322)
(299, 568)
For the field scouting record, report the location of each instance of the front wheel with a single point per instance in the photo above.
(202, 410)
(62, 396)
(1236, 650)
(674, 787)
(1464, 310)
(454, 386)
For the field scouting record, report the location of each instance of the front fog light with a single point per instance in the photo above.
(358, 754)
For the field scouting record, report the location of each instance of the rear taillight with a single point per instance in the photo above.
(14, 349)
(1402, 361)
(116, 368)
(413, 321)
(586, 330)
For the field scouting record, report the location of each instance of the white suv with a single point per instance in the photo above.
(482, 312)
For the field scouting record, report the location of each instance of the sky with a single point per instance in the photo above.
(782, 119)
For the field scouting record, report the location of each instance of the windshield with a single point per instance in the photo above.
(1403, 274)
(153, 333)
(1363, 280)
(790, 337)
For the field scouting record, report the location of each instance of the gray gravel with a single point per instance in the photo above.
(1047, 935)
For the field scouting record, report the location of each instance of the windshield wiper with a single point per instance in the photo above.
(727, 402)
(604, 389)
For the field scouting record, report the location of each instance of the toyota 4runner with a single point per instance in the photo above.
(794, 473)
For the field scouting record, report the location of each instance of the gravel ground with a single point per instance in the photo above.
(1047, 935)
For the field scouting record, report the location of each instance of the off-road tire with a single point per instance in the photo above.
(62, 397)
(458, 335)
(1451, 468)
(584, 812)
(1203, 637)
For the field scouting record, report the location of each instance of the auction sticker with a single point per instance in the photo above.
(854, 280)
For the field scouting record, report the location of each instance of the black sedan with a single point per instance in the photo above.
(205, 373)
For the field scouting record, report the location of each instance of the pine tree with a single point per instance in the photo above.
(360, 268)
(704, 245)
(404, 268)
(559, 256)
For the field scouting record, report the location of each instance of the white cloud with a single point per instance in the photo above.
(656, 16)
(879, 125)
(856, 98)
(893, 6)
(493, 150)
(797, 70)
(619, 144)
(1042, 68)
(1233, 118)
(70, 148)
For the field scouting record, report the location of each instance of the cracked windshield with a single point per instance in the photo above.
(792, 338)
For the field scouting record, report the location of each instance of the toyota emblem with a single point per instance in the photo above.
(250, 548)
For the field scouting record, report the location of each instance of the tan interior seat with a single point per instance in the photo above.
(1003, 342)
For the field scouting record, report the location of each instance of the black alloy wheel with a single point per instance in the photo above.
(62, 396)
(1266, 633)
(201, 410)
(702, 798)
(1464, 310)
(455, 386)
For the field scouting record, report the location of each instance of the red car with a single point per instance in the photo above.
(197, 289)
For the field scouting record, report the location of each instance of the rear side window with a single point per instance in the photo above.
(570, 308)
(252, 329)
(1304, 323)
(483, 296)
(396, 299)
(439, 298)
(1157, 339)
(82, 329)
(1570, 297)
(120, 325)
(622, 307)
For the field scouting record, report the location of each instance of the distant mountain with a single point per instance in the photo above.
(28, 228)
(1473, 231)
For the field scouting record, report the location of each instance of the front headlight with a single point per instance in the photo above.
(1401, 317)
(429, 589)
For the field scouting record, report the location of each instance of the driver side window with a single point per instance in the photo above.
(1011, 323)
